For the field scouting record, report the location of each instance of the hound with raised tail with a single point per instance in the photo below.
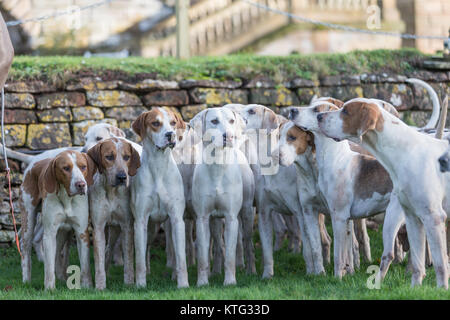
(109, 203)
(355, 186)
(157, 189)
(59, 185)
(410, 158)
(218, 187)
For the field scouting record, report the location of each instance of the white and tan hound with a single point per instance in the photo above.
(157, 189)
(410, 158)
(109, 203)
(59, 186)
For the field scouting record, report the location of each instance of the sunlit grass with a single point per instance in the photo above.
(289, 282)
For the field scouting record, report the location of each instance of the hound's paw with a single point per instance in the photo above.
(229, 282)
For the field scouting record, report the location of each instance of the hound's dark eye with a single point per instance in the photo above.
(67, 168)
(98, 138)
(110, 157)
(232, 121)
(173, 123)
(83, 168)
(126, 157)
(251, 111)
(155, 123)
(291, 138)
(344, 111)
(215, 121)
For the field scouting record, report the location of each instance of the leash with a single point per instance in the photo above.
(8, 174)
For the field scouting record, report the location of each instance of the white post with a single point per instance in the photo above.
(182, 7)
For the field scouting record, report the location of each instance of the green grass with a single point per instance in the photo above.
(289, 282)
(239, 66)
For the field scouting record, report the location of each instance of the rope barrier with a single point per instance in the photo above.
(8, 174)
(342, 27)
(58, 14)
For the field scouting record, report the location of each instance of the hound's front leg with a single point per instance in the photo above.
(231, 235)
(99, 256)
(203, 237)
(416, 238)
(266, 234)
(83, 251)
(435, 229)
(179, 244)
(49, 242)
(313, 235)
(140, 243)
(342, 244)
(28, 223)
(128, 257)
(393, 220)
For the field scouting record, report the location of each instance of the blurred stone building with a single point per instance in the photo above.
(147, 27)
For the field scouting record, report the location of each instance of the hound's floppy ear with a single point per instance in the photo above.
(91, 169)
(180, 126)
(135, 161)
(338, 103)
(116, 132)
(310, 139)
(138, 125)
(197, 123)
(269, 119)
(240, 123)
(95, 154)
(371, 119)
(47, 178)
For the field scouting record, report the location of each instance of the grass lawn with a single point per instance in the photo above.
(289, 282)
(61, 69)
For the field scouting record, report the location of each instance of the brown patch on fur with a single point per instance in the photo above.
(338, 103)
(85, 236)
(303, 139)
(360, 117)
(269, 119)
(324, 108)
(135, 160)
(116, 132)
(357, 148)
(371, 178)
(146, 120)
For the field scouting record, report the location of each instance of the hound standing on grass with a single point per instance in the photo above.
(217, 186)
(410, 158)
(58, 185)
(157, 189)
(109, 204)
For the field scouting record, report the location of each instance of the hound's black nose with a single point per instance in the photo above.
(170, 136)
(121, 177)
(443, 162)
(319, 117)
(293, 113)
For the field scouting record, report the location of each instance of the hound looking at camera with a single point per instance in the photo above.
(58, 185)
(157, 189)
(109, 203)
(218, 187)
(410, 158)
(364, 187)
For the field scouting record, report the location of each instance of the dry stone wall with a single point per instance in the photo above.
(42, 115)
